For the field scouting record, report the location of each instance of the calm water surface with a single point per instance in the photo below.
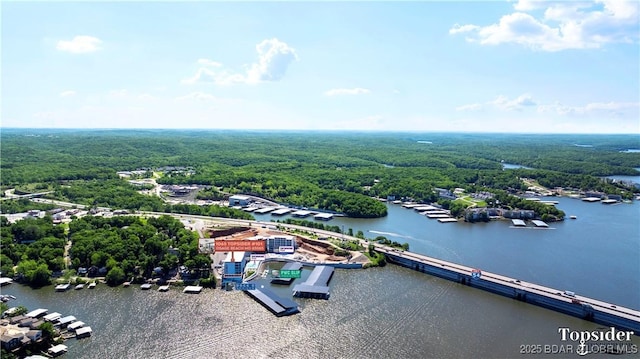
(388, 312)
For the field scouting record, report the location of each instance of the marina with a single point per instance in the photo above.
(408, 297)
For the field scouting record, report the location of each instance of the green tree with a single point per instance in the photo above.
(115, 276)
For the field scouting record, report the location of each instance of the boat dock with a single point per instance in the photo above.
(192, 289)
(438, 215)
(276, 305)
(83, 332)
(575, 305)
(37, 313)
(447, 220)
(62, 287)
(317, 285)
(281, 211)
(323, 216)
(301, 214)
(264, 210)
(518, 223)
(288, 266)
(53, 317)
(540, 224)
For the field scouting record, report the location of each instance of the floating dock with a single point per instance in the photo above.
(276, 305)
(608, 201)
(192, 289)
(75, 325)
(575, 305)
(37, 313)
(540, 224)
(62, 287)
(264, 210)
(438, 215)
(591, 199)
(281, 211)
(518, 223)
(57, 350)
(410, 205)
(52, 317)
(317, 285)
(83, 332)
(323, 216)
(63, 322)
(288, 266)
(447, 220)
(301, 214)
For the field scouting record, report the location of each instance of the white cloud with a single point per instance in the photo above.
(502, 103)
(343, 91)
(563, 25)
(274, 58)
(207, 62)
(470, 107)
(67, 93)
(80, 45)
(593, 108)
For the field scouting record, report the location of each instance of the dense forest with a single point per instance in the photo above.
(331, 171)
(124, 246)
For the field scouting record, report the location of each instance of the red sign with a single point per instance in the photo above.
(240, 245)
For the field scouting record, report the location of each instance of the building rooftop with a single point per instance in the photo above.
(234, 257)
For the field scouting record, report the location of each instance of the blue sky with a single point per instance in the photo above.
(501, 66)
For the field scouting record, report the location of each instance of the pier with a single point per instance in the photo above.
(562, 301)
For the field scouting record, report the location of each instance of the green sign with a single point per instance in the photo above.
(290, 273)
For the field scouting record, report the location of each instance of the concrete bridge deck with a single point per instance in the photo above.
(568, 303)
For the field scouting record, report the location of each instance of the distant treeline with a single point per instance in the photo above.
(326, 170)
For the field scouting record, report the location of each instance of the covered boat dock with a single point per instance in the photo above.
(288, 266)
(276, 305)
(317, 285)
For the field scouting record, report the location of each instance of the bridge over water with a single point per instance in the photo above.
(565, 302)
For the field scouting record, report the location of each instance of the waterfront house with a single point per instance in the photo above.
(12, 340)
(34, 335)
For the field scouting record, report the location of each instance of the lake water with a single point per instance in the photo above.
(389, 312)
